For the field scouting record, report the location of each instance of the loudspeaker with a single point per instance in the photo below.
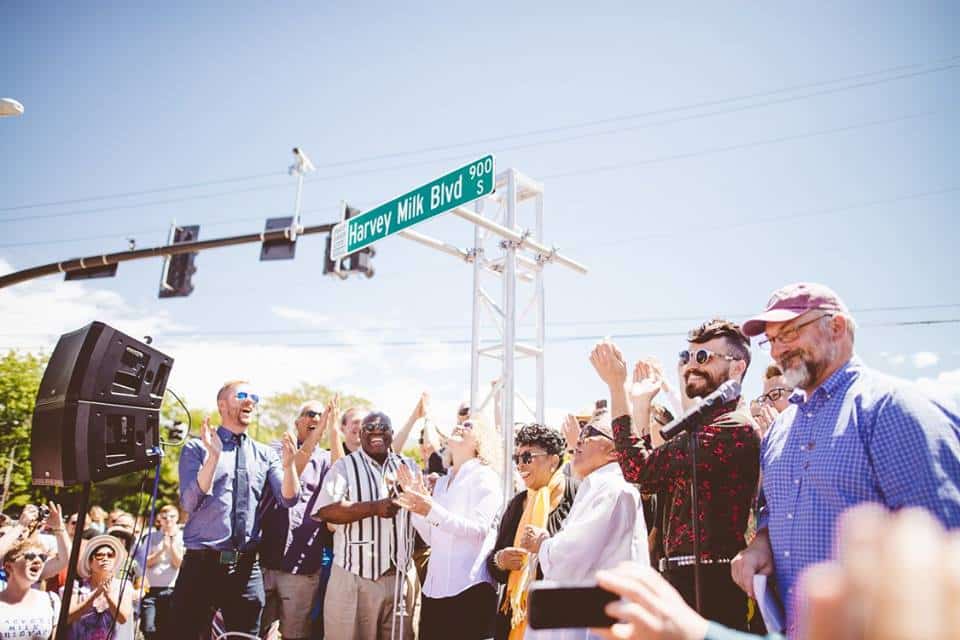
(98, 408)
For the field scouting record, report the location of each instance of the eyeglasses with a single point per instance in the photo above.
(310, 413)
(464, 411)
(590, 431)
(701, 356)
(104, 555)
(30, 556)
(244, 395)
(370, 427)
(773, 395)
(788, 335)
(526, 457)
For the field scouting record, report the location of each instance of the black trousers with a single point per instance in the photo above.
(204, 585)
(155, 617)
(722, 600)
(466, 616)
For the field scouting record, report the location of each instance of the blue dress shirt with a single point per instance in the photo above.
(209, 514)
(860, 437)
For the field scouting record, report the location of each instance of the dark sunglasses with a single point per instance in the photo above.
(310, 413)
(30, 556)
(465, 411)
(243, 395)
(590, 431)
(370, 427)
(526, 457)
(103, 555)
(701, 356)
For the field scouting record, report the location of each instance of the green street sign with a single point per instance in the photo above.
(464, 185)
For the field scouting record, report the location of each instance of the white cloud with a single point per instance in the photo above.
(35, 315)
(924, 359)
(897, 359)
(303, 316)
(945, 387)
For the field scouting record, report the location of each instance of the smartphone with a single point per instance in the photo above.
(555, 605)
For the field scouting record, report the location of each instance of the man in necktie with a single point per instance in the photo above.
(222, 477)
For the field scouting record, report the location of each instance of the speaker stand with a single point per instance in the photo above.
(74, 559)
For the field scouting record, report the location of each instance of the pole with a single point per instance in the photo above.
(695, 516)
(74, 558)
(509, 334)
(78, 264)
(8, 477)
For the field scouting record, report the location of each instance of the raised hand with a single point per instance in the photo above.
(571, 430)
(411, 481)
(423, 406)
(55, 519)
(288, 449)
(609, 364)
(647, 381)
(210, 439)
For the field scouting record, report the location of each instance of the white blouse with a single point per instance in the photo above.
(460, 529)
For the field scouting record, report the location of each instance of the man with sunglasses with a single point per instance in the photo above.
(851, 435)
(727, 463)
(357, 496)
(295, 550)
(223, 475)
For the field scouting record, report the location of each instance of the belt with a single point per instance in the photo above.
(684, 561)
(221, 557)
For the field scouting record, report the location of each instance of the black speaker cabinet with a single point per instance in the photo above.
(98, 408)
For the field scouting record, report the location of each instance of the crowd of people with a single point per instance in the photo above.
(357, 540)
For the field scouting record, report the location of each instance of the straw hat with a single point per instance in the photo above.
(86, 557)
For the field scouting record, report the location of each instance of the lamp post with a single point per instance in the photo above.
(10, 107)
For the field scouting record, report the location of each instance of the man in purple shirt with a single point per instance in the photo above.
(223, 474)
(295, 550)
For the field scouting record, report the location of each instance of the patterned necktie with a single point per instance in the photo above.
(241, 494)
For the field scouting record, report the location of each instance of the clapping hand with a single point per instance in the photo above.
(647, 380)
(210, 439)
(609, 364)
(288, 449)
(571, 430)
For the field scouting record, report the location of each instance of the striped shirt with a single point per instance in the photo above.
(365, 547)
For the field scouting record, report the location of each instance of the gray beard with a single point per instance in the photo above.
(798, 376)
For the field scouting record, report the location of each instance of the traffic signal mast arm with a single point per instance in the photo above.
(78, 264)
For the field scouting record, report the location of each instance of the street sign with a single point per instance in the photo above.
(464, 185)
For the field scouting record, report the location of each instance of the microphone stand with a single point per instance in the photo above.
(695, 516)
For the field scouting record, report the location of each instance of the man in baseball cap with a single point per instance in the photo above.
(852, 435)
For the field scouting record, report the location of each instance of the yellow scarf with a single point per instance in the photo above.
(539, 504)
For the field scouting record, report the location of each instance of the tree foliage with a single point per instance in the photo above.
(20, 376)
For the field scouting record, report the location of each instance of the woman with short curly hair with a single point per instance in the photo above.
(538, 455)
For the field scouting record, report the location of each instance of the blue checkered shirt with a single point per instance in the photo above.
(860, 437)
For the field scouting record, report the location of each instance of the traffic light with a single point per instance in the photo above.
(360, 262)
(179, 269)
(103, 271)
(281, 249)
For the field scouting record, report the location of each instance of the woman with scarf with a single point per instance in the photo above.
(538, 452)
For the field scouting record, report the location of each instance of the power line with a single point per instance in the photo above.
(579, 172)
(425, 150)
(557, 340)
(562, 323)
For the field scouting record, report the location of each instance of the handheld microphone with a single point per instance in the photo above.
(726, 392)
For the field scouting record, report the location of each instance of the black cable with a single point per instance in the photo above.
(186, 435)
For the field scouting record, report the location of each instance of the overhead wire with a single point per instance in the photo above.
(858, 85)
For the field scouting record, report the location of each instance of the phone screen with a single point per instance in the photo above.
(553, 605)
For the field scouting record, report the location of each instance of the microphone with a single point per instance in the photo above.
(726, 392)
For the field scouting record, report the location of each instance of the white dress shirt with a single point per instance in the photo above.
(604, 528)
(460, 529)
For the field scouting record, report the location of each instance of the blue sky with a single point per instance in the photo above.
(695, 157)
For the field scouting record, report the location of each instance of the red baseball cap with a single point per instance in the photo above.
(794, 300)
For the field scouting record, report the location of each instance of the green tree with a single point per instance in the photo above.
(278, 411)
(19, 381)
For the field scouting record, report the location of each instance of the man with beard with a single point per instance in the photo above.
(851, 436)
(356, 496)
(727, 463)
(223, 475)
